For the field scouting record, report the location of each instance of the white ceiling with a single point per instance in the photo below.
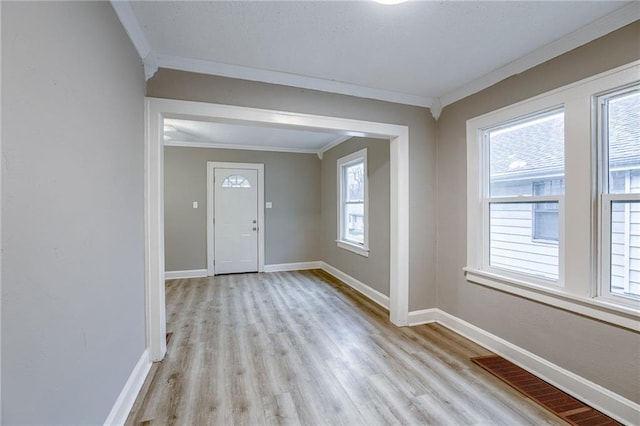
(178, 132)
(424, 53)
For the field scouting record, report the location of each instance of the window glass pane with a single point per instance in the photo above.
(623, 134)
(354, 182)
(545, 225)
(526, 151)
(354, 222)
(625, 248)
(512, 243)
(545, 215)
(235, 181)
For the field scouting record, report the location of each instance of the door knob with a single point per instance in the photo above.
(255, 229)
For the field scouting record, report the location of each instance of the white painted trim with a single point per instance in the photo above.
(598, 28)
(1, 162)
(211, 166)
(423, 316)
(579, 243)
(187, 144)
(399, 233)
(209, 227)
(296, 266)
(286, 79)
(132, 27)
(590, 32)
(130, 23)
(598, 308)
(610, 403)
(129, 393)
(354, 248)
(330, 145)
(359, 156)
(150, 63)
(156, 109)
(178, 275)
(155, 309)
(436, 108)
(359, 286)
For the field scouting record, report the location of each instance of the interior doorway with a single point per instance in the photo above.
(156, 110)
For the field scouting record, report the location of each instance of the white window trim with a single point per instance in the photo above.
(347, 160)
(604, 226)
(580, 285)
(605, 200)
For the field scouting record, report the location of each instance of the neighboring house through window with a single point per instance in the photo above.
(546, 218)
(353, 203)
(619, 133)
(565, 233)
(522, 198)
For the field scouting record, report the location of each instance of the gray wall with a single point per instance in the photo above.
(292, 225)
(422, 172)
(72, 212)
(372, 270)
(602, 353)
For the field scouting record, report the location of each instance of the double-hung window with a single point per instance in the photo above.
(618, 119)
(523, 197)
(553, 197)
(353, 202)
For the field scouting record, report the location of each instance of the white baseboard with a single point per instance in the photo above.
(127, 397)
(610, 403)
(298, 266)
(193, 273)
(372, 294)
(424, 316)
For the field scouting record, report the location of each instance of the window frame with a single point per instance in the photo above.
(488, 200)
(342, 164)
(607, 198)
(580, 265)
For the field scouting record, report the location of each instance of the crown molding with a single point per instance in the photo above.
(617, 19)
(330, 145)
(130, 23)
(286, 79)
(152, 62)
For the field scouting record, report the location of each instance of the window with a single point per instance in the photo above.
(618, 119)
(546, 215)
(353, 203)
(525, 172)
(553, 198)
(235, 181)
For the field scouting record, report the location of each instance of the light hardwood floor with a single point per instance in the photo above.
(302, 348)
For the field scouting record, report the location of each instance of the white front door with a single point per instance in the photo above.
(235, 220)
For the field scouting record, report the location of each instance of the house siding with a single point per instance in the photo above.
(625, 239)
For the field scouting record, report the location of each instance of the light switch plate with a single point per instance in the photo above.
(195, 204)
(269, 204)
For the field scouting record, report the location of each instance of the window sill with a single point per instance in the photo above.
(362, 251)
(599, 309)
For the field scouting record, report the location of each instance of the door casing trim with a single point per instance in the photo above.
(156, 109)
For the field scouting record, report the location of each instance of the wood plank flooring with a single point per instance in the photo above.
(301, 348)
